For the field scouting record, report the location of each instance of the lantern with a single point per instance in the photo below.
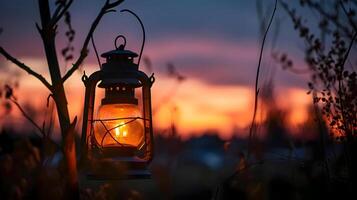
(119, 135)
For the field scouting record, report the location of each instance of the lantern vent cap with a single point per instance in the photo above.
(119, 52)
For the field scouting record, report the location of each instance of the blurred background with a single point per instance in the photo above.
(204, 54)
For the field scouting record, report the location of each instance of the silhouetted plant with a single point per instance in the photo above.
(333, 81)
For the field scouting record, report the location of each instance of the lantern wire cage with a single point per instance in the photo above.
(108, 130)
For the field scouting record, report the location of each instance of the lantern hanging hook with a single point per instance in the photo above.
(122, 46)
(84, 78)
(143, 29)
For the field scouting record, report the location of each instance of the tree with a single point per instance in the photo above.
(48, 30)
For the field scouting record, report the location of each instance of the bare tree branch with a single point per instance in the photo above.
(84, 51)
(25, 67)
(59, 12)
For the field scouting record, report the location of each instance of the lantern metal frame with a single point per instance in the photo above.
(93, 153)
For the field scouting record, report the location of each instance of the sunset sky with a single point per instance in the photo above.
(214, 44)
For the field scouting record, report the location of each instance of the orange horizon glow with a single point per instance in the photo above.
(194, 106)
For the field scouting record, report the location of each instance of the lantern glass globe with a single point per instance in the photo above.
(120, 125)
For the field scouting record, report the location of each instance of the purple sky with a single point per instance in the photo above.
(230, 26)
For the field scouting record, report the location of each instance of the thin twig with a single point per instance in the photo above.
(319, 9)
(349, 50)
(96, 52)
(25, 67)
(340, 84)
(349, 18)
(27, 116)
(84, 51)
(256, 92)
(57, 11)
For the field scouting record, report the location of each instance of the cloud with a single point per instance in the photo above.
(218, 61)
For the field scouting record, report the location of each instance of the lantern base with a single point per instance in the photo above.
(129, 174)
(118, 168)
(125, 151)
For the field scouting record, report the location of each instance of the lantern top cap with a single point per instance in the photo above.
(119, 52)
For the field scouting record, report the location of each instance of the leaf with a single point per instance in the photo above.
(8, 107)
(64, 51)
(283, 58)
(333, 123)
(310, 85)
(69, 57)
(8, 91)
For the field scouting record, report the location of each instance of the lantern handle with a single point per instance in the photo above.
(143, 29)
(122, 46)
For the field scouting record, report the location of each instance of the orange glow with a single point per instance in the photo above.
(194, 106)
(119, 126)
(296, 102)
(202, 107)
